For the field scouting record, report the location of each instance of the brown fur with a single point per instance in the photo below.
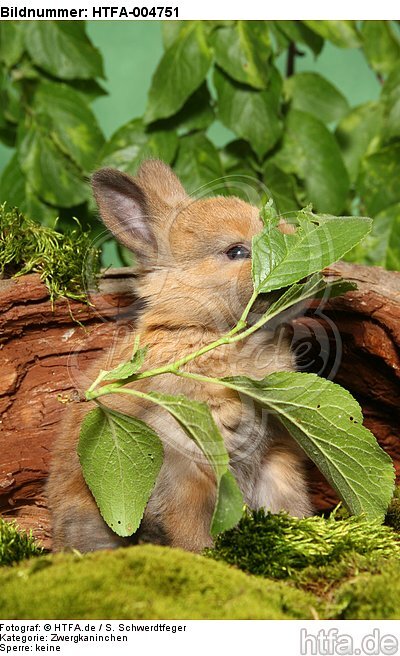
(193, 294)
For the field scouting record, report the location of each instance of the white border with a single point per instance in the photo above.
(221, 9)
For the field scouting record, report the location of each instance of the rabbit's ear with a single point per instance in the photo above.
(125, 211)
(161, 184)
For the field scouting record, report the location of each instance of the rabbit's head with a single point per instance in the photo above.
(194, 255)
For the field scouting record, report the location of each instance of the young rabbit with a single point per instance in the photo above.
(194, 276)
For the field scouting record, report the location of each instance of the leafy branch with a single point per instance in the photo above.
(321, 416)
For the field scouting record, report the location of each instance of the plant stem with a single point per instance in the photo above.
(291, 57)
(97, 381)
(243, 319)
(228, 338)
(176, 367)
(111, 389)
(236, 334)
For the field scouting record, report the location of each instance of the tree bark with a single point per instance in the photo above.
(353, 339)
(37, 345)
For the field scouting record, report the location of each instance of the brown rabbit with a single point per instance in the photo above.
(194, 273)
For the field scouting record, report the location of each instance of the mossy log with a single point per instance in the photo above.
(353, 339)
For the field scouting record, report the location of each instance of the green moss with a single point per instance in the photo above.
(150, 582)
(371, 596)
(15, 545)
(145, 582)
(280, 546)
(325, 580)
(59, 258)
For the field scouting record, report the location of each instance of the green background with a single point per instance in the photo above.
(132, 50)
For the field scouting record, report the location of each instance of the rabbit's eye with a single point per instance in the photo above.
(238, 252)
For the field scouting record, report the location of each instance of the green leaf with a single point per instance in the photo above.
(297, 32)
(170, 31)
(241, 167)
(326, 421)
(279, 260)
(132, 144)
(196, 420)
(128, 369)
(229, 506)
(26, 70)
(378, 181)
(62, 49)
(252, 115)
(342, 33)
(33, 207)
(315, 287)
(7, 134)
(12, 184)
(11, 42)
(391, 102)
(312, 93)
(15, 189)
(282, 188)
(11, 106)
(382, 246)
(71, 123)
(311, 152)
(238, 153)
(121, 457)
(211, 25)
(279, 38)
(89, 89)
(198, 163)
(180, 72)
(243, 51)
(381, 46)
(3, 96)
(357, 133)
(393, 250)
(196, 114)
(52, 176)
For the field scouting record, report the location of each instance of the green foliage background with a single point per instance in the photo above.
(295, 132)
